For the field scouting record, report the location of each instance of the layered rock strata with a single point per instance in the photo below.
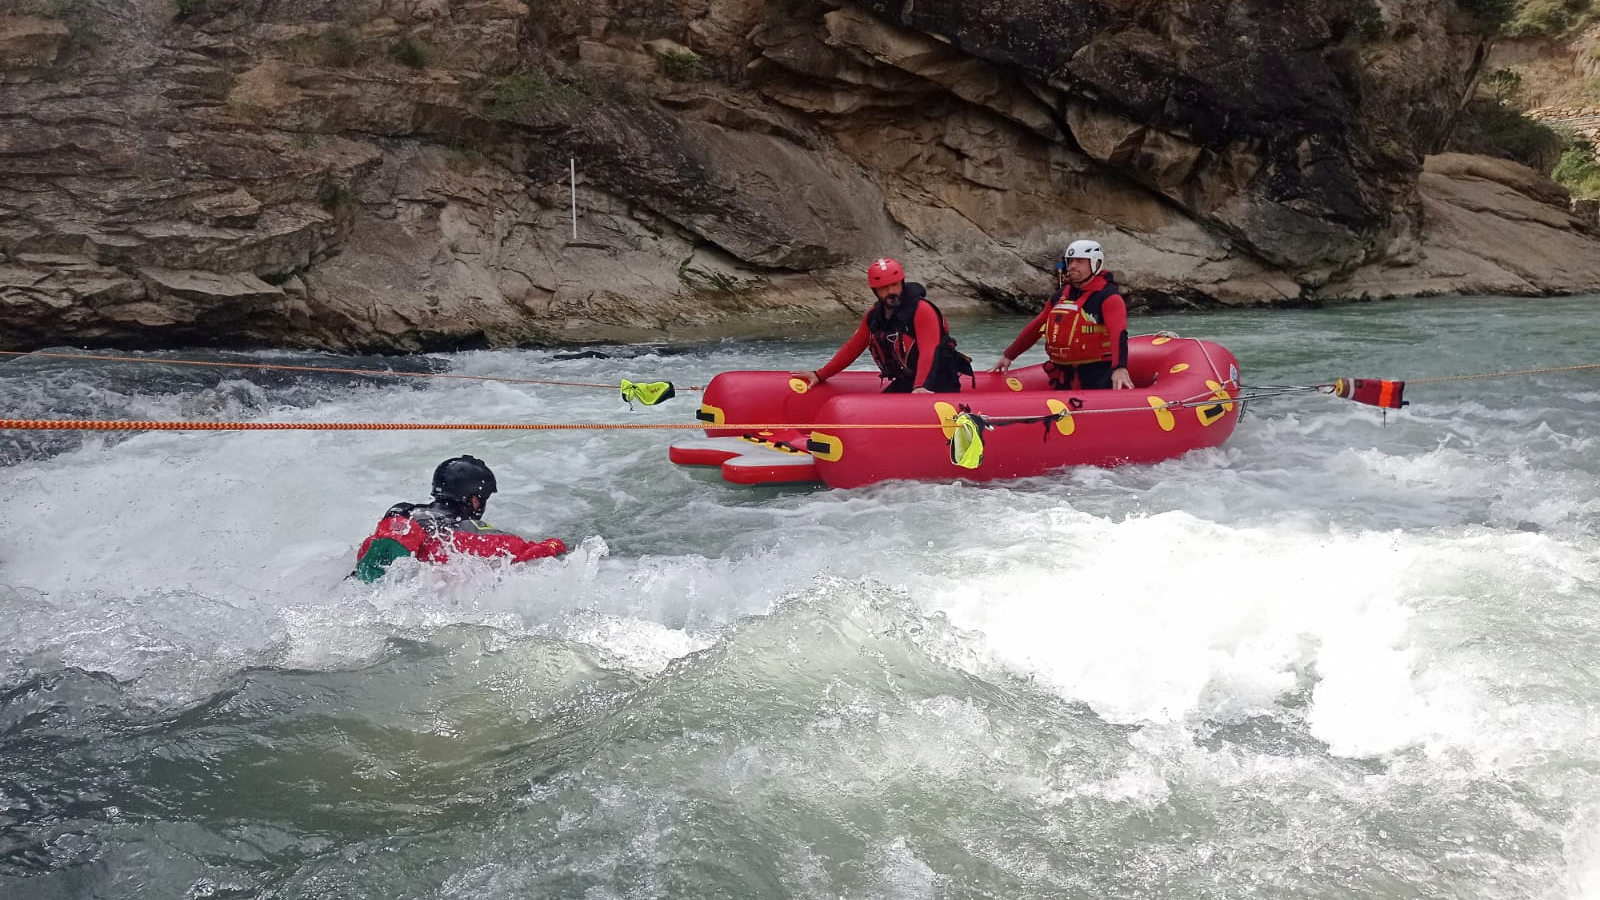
(396, 174)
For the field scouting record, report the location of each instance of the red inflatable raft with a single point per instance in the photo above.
(766, 427)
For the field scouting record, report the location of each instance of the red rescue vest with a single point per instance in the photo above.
(1075, 332)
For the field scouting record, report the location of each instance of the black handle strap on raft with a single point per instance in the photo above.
(966, 437)
(781, 445)
(1048, 419)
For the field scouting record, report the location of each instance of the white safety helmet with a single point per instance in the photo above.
(1089, 249)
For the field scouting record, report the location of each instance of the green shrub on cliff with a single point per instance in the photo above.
(1493, 14)
(515, 96)
(1548, 17)
(411, 52)
(339, 200)
(338, 47)
(510, 97)
(1504, 85)
(1368, 19)
(1492, 128)
(681, 65)
(1578, 171)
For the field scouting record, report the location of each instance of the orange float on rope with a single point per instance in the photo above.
(1377, 392)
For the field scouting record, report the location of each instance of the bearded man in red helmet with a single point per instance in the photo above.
(907, 335)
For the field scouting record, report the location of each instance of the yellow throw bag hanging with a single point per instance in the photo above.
(649, 393)
(966, 443)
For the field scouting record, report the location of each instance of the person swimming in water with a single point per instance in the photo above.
(451, 525)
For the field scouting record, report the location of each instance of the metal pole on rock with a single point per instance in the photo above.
(574, 163)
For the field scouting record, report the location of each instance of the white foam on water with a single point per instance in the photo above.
(1582, 852)
(1170, 619)
(1166, 617)
(1424, 597)
(901, 874)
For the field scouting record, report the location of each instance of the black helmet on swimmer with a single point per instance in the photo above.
(458, 478)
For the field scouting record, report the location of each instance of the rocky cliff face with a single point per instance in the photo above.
(393, 174)
(1558, 78)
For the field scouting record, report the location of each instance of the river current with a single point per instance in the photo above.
(1343, 655)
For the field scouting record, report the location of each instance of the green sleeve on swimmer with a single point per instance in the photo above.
(374, 564)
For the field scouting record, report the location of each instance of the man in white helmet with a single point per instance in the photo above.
(1085, 329)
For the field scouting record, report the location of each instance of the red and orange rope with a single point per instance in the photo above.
(277, 367)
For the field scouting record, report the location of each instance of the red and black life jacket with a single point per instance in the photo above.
(892, 338)
(1075, 330)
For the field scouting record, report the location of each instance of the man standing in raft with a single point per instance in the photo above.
(1085, 330)
(907, 335)
(452, 524)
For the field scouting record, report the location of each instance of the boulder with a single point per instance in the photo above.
(1493, 226)
(234, 209)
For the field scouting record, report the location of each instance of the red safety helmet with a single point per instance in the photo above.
(884, 272)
